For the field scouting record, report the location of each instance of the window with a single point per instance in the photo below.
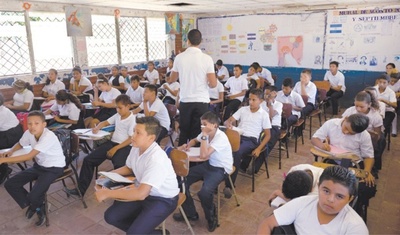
(157, 39)
(133, 39)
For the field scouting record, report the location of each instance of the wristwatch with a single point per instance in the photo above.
(204, 137)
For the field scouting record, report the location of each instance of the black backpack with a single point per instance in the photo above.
(64, 136)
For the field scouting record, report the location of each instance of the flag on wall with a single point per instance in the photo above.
(79, 21)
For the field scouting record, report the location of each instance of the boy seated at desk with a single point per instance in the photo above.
(48, 166)
(151, 74)
(139, 210)
(305, 87)
(216, 150)
(116, 149)
(252, 121)
(328, 212)
(265, 75)
(135, 92)
(252, 75)
(172, 90)
(153, 106)
(388, 97)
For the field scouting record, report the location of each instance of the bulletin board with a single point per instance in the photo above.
(284, 40)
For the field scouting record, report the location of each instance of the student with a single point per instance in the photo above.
(106, 101)
(253, 75)
(394, 84)
(126, 76)
(287, 95)
(305, 87)
(391, 69)
(252, 121)
(216, 97)
(156, 197)
(382, 106)
(69, 110)
(196, 73)
(116, 149)
(216, 151)
(151, 74)
(172, 89)
(264, 75)
(52, 85)
(387, 96)
(79, 84)
(222, 73)
(328, 212)
(238, 87)
(10, 133)
(49, 162)
(116, 80)
(153, 106)
(170, 65)
(135, 92)
(337, 81)
(22, 99)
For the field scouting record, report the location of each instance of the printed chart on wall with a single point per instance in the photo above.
(289, 40)
(363, 39)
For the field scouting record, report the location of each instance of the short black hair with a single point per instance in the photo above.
(255, 65)
(296, 184)
(392, 64)
(150, 62)
(152, 88)
(151, 124)
(123, 99)
(382, 77)
(37, 114)
(77, 69)
(135, 78)
(271, 88)
(287, 82)
(238, 66)
(210, 117)
(307, 71)
(194, 37)
(257, 92)
(335, 63)
(219, 63)
(358, 122)
(340, 175)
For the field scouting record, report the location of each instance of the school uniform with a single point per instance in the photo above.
(295, 99)
(53, 88)
(117, 81)
(275, 124)
(193, 66)
(153, 168)
(161, 115)
(303, 212)
(236, 85)
(48, 166)
(266, 74)
(316, 173)
(136, 96)
(223, 71)
(311, 91)
(169, 98)
(123, 131)
(71, 112)
(84, 81)
(151, 76)
(127, 81)
(21, 98)
(214, 95)
(335, 80)
(107, 97)
(252, 124)
(387, 94)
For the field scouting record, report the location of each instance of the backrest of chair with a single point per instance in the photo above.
(287, 110)
(234, 139)
(180, 162)
(74, 143)
(322, 85)
(322, 94)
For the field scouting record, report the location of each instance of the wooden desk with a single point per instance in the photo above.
(19, 152)
(352, 157)
(359, 173)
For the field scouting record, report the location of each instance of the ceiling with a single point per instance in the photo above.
(226, 6)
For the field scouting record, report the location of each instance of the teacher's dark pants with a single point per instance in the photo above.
(189, 121)
(140, 217)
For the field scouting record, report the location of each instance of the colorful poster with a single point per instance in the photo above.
(172, 24)
(187, 25)
(79, 21)
(290, 51)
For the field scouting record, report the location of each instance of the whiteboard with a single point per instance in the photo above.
(284, 40)
(363, 39)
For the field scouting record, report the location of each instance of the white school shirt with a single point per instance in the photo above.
(223, 71)
(53, 88)
(237, 85)
(50, 150)
(173, 86)
(154, 168)
(316, 172)
(266, 74)
(278, 107)
(375, 118)
(214, 92)
(121, 80)
(136, 96)
(222, 155)
(395, 87)
(151, 76)
(311, 91)
(252, 123)
(25, 97)
(161, 112)
(127, 82)
(389, 95)
(359, 144)
(69, 109)
(83, 82)
(6, 114)
(254, 76)
(302, 212)
(335, 80)
(123, 128)
(293, 98)
(109, 96)
(193, 66)
(382, 108)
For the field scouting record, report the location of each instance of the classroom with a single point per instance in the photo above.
(205, 110)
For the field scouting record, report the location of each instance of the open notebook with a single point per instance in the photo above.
(337, 152)
(113, 180)
(89, 133)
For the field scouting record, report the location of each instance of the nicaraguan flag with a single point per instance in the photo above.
(251, 36)
(335, 28)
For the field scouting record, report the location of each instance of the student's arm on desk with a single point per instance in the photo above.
(267, 225)
(318, 143)
(104, 105)
(97, 128)
(5, 157)
(267, 135)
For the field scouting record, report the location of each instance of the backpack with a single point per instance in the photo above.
(23, 120)
(64, 136)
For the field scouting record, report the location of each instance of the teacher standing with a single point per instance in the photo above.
(196, 74)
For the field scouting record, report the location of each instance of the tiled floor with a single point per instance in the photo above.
(68, 216)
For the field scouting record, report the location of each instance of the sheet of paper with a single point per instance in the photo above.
(48, 117)
(89, 133)
(19, 152)
(115, 177)
(193, 152)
